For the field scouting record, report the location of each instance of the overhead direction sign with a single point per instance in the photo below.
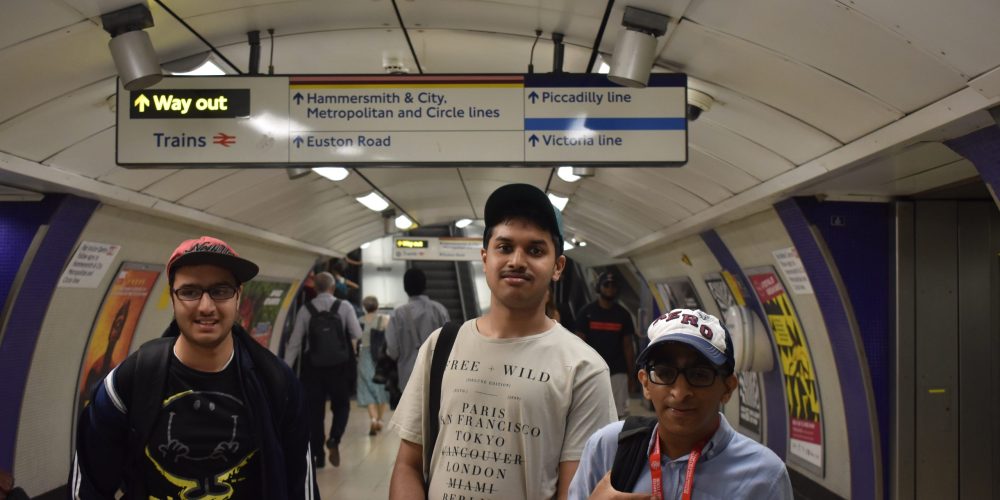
(404, 120)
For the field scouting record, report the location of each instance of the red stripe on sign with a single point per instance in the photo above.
(605, 326)
(407, 79)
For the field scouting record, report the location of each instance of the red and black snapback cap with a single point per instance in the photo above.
(215, 252)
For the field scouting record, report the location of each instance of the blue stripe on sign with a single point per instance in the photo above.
(605, 123)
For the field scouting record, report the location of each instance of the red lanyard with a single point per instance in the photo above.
(657, 473)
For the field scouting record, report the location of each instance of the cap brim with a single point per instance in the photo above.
(242, 269)
(701, 345)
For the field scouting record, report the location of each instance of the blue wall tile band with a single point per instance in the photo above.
(600, 124)
(28, 313)
(855, 390)
(982, 148)
(776, 416)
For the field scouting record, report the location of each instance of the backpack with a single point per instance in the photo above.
(328, 344)
(632, 456)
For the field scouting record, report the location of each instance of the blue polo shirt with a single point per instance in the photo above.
(731, 466)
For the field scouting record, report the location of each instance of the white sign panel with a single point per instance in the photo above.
(89, 265)
(425, 119)
(434, 248)
(791, 267)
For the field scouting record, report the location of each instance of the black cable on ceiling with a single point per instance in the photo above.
(600, 36)
(406, 34)
(548, 182)
(270, 62)
(531, 58)
(385, 196)
(195, 33)
(465, 187)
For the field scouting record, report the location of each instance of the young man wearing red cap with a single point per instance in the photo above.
(688, 450)
(205, 411)
(519, 394)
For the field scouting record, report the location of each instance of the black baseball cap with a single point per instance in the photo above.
(527, 202)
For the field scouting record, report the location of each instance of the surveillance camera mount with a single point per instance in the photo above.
(132, 18)
(645, 21)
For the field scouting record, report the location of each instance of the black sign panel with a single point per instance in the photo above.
(189, 103)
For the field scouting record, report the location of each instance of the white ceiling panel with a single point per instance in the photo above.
(961, 32)
(418, 192)
(349, 240)
(65, 121)
(761, 124)
(230, 188)
(186, 181)
(885, 176)
(325, 215)
(134, 178)
(608, 220)
(689, 178)
(714, 169)
(931, 179)
(280, 211)
(445, 51)
(635, 213)
(646, 186)
(93, 157)
(255, 197)
(814, 97)
(46, 67)
(26, 19)
(480, 182)
(812, 32)
(722, 143)
(256, 207)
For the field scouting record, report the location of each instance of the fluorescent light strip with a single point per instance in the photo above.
(373, 201)
(333, 173)
(403, 222)
(558, 201)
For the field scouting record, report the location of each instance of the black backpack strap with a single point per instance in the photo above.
(633, 452)
(445, 341)
(311, 308)
(148, 378)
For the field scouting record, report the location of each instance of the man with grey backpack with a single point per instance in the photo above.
(325, 333)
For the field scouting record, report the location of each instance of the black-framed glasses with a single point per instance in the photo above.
(217, 292)
(697, 375)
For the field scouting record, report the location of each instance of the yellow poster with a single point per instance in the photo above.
(801, 388)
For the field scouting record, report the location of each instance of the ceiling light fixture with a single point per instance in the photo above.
(558, 201)
(335, 174)
(462, 223)
(635, 49)
(403, 222)
(136, 61)
(566, 174)
(567, 246)
(365, 245)
(373, 201)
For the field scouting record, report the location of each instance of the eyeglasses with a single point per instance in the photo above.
(218, 292)
(697, 376)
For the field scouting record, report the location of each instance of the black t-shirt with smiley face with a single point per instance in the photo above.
(202, 445)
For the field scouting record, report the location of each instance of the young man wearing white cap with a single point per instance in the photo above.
(519, 394)
(203, 412)
(689, 450)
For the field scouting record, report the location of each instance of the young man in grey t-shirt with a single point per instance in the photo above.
(520, 394)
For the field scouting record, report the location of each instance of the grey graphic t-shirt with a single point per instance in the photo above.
(511, 410)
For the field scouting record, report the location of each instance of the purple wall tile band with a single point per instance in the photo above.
(776, 417)
(982, 148)
(854, 387)
(28, 313)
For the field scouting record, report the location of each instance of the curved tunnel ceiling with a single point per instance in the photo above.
(811, 97)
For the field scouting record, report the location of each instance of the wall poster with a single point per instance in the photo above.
(259, 306)
(729, 296)
(111, 335)
(801, 387)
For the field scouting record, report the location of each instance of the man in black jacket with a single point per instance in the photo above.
(203, 412)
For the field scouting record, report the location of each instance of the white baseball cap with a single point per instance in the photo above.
(695, 328)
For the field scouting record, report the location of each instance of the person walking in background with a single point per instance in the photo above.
(411, 323)
(607, 327)
(372, 395)
(328, 365)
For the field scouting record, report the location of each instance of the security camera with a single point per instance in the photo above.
(698, 102)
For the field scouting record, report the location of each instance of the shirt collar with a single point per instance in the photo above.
(715, 446)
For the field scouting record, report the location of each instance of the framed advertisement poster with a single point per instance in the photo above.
(736, 317)
(111, 334)
(801, 388)
(259, 307)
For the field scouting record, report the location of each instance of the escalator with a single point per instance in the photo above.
(448, 282)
